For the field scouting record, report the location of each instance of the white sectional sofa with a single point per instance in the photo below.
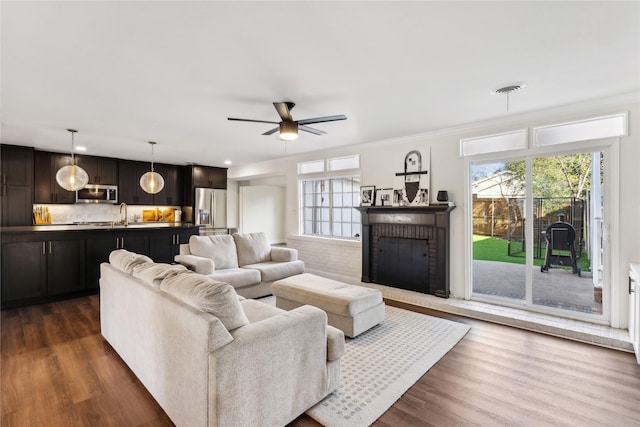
(210, 357)
(247, 262)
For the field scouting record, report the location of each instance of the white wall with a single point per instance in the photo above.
(448, 173)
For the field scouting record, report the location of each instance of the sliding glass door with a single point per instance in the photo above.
(537, 226)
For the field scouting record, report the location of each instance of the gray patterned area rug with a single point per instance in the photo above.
(381, 364)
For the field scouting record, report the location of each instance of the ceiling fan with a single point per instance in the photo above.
(288, 127)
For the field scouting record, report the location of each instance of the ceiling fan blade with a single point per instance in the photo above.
(251, 120)
(272, 131)
(311, 130)
(322, 119)
(283, 109)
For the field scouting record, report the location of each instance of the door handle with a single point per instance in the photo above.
(631, 290)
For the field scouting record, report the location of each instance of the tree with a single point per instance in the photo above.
(557, 176)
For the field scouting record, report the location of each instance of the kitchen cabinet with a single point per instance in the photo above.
(46, 188)
(202, 176)
(101, 170)
(171, 194)
(16, 192)
(35, 270)
(164, 245)
(209, 177)
(100, 243)
(129, 190)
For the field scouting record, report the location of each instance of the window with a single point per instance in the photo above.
(328, 200)
(493, 143)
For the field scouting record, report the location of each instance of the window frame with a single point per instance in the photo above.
(330, 175)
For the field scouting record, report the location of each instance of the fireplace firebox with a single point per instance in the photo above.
(407, 247)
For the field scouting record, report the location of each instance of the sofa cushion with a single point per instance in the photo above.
(153, 273)
(272, 271)
(125, 261)
(237, 277)
(256, 310)
(207, 294)
(252, 248)
(221, 249)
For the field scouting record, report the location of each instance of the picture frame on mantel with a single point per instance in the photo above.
(367, 195)
(384, 197)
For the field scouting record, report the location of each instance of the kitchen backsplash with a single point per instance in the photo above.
(69, 214)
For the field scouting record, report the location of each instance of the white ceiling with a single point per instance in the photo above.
(124, 73)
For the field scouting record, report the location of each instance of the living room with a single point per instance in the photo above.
(422, 105)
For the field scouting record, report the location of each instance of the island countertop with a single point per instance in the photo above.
(104, 225)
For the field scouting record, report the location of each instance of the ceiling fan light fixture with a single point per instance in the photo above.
(152, 182)
(288, 131)
(72, 177)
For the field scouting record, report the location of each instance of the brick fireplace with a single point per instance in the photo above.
(407, 247)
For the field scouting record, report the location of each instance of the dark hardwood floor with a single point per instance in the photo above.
(56, 370)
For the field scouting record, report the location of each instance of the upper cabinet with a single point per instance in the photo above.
(202, 176)
(16, 191)
(129, 190)
(208, 177)
(173, 177)
(101, 170)
(47, 189)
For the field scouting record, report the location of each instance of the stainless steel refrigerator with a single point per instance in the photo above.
(210, 209)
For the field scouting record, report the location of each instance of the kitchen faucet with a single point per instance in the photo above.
(126, 218)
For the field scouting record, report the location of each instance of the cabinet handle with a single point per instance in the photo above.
(44, 251)
(122, 240)
(49, 247)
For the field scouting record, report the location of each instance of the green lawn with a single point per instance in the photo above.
(494, 249)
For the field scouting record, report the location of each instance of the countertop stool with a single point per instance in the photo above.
(352, 309)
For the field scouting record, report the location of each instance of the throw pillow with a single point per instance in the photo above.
(125, 261)
(206, 294)
(152, 273)
(253, 248)
(221, 249)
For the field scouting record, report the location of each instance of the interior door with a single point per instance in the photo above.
(634, 308)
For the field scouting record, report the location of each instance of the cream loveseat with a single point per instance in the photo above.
(247, 262)
(210, 357)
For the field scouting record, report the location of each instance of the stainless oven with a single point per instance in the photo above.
(94, 193)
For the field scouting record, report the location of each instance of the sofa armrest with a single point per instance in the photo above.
(274, 370)
(335, 343)
(196, 263)
(279, 254)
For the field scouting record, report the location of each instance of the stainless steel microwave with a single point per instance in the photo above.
(94, 193)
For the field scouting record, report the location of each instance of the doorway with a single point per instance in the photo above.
(537, 238)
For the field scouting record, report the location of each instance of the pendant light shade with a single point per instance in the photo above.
(152, 182)
(72, 177)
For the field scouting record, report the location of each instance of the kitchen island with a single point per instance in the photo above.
(43, 263)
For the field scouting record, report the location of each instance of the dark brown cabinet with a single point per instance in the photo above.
(202, 176)
(164, 245)
(129, 190)
(101, 170)
(100, 244)
(16, 192)
(35, 270)
(171, 194)
(40, 266)
(209, 177)
(46, 188)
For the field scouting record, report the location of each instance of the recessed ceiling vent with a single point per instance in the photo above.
(508, 90)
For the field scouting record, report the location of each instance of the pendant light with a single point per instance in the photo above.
(152, 182)
(72, 177)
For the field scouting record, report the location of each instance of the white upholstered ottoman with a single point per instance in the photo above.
(350, 308)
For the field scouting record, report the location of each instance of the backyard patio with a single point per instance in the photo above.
(554, 288)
